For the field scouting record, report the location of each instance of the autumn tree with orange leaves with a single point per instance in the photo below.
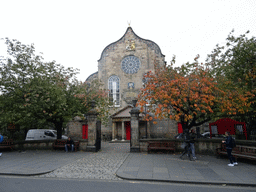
(188, 94)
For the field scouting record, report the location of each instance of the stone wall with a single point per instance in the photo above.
(43, 145)
(163, 129)
(202, 146)
(74, 129)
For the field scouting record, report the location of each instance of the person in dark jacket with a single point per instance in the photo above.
(186, 149)
(189, 146)
(69, 145)
(192, 143)
(229, 147)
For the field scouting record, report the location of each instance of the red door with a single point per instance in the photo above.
(180, 129)
(85, 132)
(128, 130)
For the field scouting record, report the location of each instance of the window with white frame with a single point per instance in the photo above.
(114, 91)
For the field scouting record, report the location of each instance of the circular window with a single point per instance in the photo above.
(130, 64)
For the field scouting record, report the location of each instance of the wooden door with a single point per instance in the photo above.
(128, 130)
(85, 132)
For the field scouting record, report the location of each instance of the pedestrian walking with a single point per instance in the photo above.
(192, 143)
(229, 147)
(187, 149)
(69, 145)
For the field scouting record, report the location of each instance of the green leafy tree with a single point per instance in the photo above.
(38, 94)
(91, 92)
(234, 65)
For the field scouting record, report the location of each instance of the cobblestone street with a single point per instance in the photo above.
(100, 165)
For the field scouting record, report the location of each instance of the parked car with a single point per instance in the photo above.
(42, 134)
(208, 136)
(205, 135)
(179, 136)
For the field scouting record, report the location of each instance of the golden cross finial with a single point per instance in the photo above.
(129, 23)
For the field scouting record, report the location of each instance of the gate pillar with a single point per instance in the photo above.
(135, 143)
(92, 130)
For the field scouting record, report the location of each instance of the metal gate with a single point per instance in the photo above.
(98, 136)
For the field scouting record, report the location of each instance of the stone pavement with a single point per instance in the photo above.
(170, 168)
(34, 162)
(114, 162)
(101, 165)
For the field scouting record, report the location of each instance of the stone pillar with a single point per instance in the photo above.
(148, 129)
(113, 131)
(92, 120)
(123, 131)
(135, 143)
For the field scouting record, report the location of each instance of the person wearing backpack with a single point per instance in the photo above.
(229, 146)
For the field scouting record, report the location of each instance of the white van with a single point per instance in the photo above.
(42, 134)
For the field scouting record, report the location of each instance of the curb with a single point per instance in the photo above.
(189, 182)
(26, 174)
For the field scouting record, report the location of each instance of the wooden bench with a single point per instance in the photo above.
(6, 144)
(60, 144)
(161, 145)
(240, 151)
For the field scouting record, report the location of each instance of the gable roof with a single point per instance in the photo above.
(123, 113)
(150, 43)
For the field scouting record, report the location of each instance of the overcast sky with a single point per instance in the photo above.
(74, 33)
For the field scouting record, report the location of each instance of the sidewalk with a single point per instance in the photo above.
(170, 168)
(31, 163)
(131, 166)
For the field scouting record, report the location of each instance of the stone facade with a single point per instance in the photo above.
(127, 61)
(110, 63)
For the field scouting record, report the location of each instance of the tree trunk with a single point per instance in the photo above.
(58, 126)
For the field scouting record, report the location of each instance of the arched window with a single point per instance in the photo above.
(114, 90)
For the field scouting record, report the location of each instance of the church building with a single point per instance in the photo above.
(121, 69)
